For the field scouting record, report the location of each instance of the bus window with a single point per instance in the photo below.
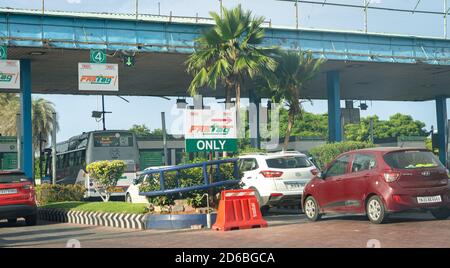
(71, 159)
(77, 158)
(59, 161)
(65, 160)
(83, 158)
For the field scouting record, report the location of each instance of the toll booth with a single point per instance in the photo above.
(8, 153)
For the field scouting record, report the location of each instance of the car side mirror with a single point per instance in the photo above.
(321, 175)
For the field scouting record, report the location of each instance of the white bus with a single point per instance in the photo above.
(73, 155)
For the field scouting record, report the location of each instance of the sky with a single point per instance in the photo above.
(75, 118)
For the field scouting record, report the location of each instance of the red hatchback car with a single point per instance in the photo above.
(377, 182)
(17, 197)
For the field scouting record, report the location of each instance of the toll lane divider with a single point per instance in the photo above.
(238, 209)
(117, 220)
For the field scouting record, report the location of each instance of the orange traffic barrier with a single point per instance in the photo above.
(238, 209)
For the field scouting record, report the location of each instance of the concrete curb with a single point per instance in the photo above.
(117, 220)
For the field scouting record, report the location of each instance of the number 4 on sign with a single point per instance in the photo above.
(98, 56)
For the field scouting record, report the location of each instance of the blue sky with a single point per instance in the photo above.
(74, 120)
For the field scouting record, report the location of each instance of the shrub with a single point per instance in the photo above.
(186, 178)
(48, 193)
(324, 154)
(105, 175)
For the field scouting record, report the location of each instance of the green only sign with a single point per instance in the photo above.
(3, 52)
(97, 56)
(211, 145)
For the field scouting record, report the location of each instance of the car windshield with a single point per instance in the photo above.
(412, 159)
(288, 162)
(13, 178)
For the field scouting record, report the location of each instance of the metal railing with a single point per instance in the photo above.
(366, 5)
(206, 184)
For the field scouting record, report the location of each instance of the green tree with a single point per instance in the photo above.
(140, 130)
(293, 72)
(105, 175)
(397, 125)
(228, 53)
(43, 112)
(144, 131)
(309, 125)
(42, 117)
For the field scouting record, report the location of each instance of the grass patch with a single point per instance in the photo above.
(109, 207)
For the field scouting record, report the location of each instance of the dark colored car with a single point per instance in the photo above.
(378, 182)
(17, 197)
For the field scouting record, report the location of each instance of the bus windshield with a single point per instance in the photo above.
(113, 139)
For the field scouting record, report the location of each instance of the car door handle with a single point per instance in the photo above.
(339, 179)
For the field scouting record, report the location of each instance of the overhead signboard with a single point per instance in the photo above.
(210, 131)
(97, 56)
(98, 77)
(129, 61)
(10, 74)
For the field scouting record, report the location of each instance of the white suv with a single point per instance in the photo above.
(277, 178)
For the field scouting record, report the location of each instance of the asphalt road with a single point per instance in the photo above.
(286, 229)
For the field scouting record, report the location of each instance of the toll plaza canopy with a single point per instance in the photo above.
(365, 66)
(371, 66)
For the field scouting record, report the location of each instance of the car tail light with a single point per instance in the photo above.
(276, 194)
(314, 171)
(397, 198)
(391, 176)
(271, 173)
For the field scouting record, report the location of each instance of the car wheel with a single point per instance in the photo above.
(312, 211)
(12, 220)
(128, 198)
(376, 211)
(264, 208)
(31, 220)
(441, 213)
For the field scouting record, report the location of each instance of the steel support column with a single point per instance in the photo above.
(27, 129)
(255, 137)
(334, 107)
(441, 116)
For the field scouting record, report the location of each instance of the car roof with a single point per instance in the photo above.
(272, 154)
(388, 149)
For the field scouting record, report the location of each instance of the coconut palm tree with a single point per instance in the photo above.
(228, 54)
(42, 117)
(290, 78)
(43, 112)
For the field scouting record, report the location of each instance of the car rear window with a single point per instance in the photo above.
(288, 162)
(412, 160)
(13, 178)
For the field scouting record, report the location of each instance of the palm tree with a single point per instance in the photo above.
(43, 112)
(228, 53)
(288, 81)
(42, 117)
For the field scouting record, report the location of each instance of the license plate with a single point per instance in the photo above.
(8, 191)
(293, 186)
(118, 190)
(429, 199)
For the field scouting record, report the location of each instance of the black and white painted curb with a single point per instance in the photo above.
(118, 220)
